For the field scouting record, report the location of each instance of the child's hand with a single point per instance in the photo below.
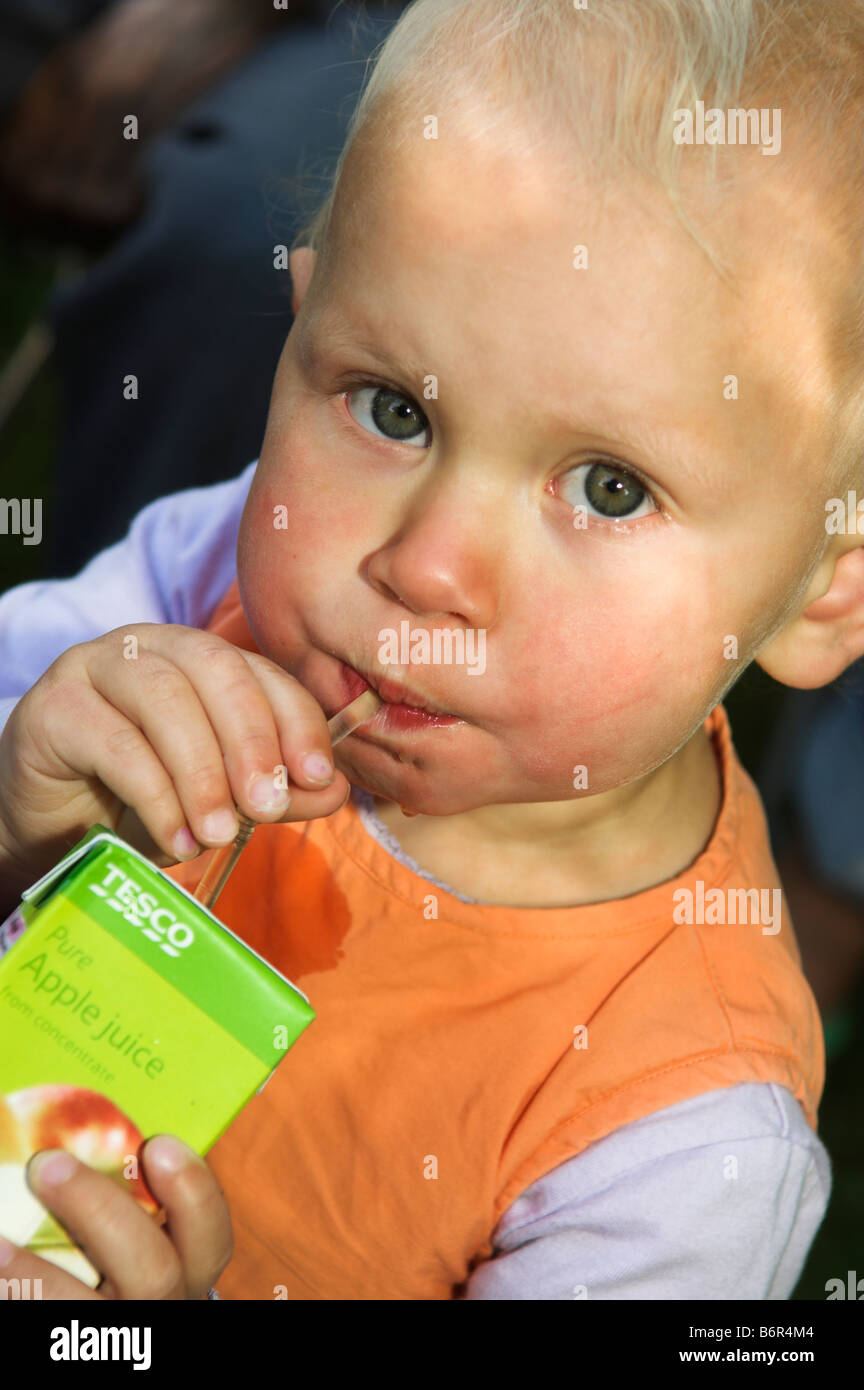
(177, 731)
(137, 1258)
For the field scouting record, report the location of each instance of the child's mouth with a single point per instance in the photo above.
(397, 713)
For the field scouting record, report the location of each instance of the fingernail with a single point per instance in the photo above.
(220, 826)
(318, 768)
(52, 1167)
(7, 1252)
(267, 797)
(169, 1153)
(184, 844)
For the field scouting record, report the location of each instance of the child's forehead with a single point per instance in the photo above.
(494, 188)
(473, 214)
(470, 224)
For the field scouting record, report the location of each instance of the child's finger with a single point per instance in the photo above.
(199, 1223)
(182, 702)
(96, 739)
(300, 722)
(44, 1280)
(114, 1232)
(296, 742)
(203, 709)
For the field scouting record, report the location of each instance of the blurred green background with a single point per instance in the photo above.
(27, 463)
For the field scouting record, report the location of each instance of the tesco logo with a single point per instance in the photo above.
(141, 909)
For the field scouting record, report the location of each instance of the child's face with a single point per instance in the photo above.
(606, 646)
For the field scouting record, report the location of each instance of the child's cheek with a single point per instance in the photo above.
(291, 538)
(271, 567)
(615, 690)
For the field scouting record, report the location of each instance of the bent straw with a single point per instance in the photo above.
(216, 874)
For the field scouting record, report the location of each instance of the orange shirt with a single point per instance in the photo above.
(461, 1051)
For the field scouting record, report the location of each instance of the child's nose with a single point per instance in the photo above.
(434, 571)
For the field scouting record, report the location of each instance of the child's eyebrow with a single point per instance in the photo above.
(338, 336)
(673, 453)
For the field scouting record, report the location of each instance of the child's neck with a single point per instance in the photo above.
(637, 837)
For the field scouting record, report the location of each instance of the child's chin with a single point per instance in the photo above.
(395, 789)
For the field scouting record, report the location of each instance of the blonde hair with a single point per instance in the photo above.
(537, 65)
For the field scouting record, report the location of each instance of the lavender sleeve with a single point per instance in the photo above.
(717, 1197)
(173, 566)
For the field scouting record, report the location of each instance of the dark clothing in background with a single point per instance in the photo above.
(188, 299)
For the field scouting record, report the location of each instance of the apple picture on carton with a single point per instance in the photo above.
(86, 1124)
(12, 1148)
(20, 1213)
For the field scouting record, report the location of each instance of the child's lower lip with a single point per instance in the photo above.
(391, 718)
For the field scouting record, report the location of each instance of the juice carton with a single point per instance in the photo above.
(126, 1010)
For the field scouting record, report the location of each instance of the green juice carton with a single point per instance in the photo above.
(126, 1009)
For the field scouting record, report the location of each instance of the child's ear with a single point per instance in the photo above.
(828, 633)
(302, 263)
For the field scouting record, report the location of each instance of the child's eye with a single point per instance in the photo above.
(609, 492)
(389, 412)
(605, 491)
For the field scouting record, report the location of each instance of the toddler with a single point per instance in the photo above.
(575, 369)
